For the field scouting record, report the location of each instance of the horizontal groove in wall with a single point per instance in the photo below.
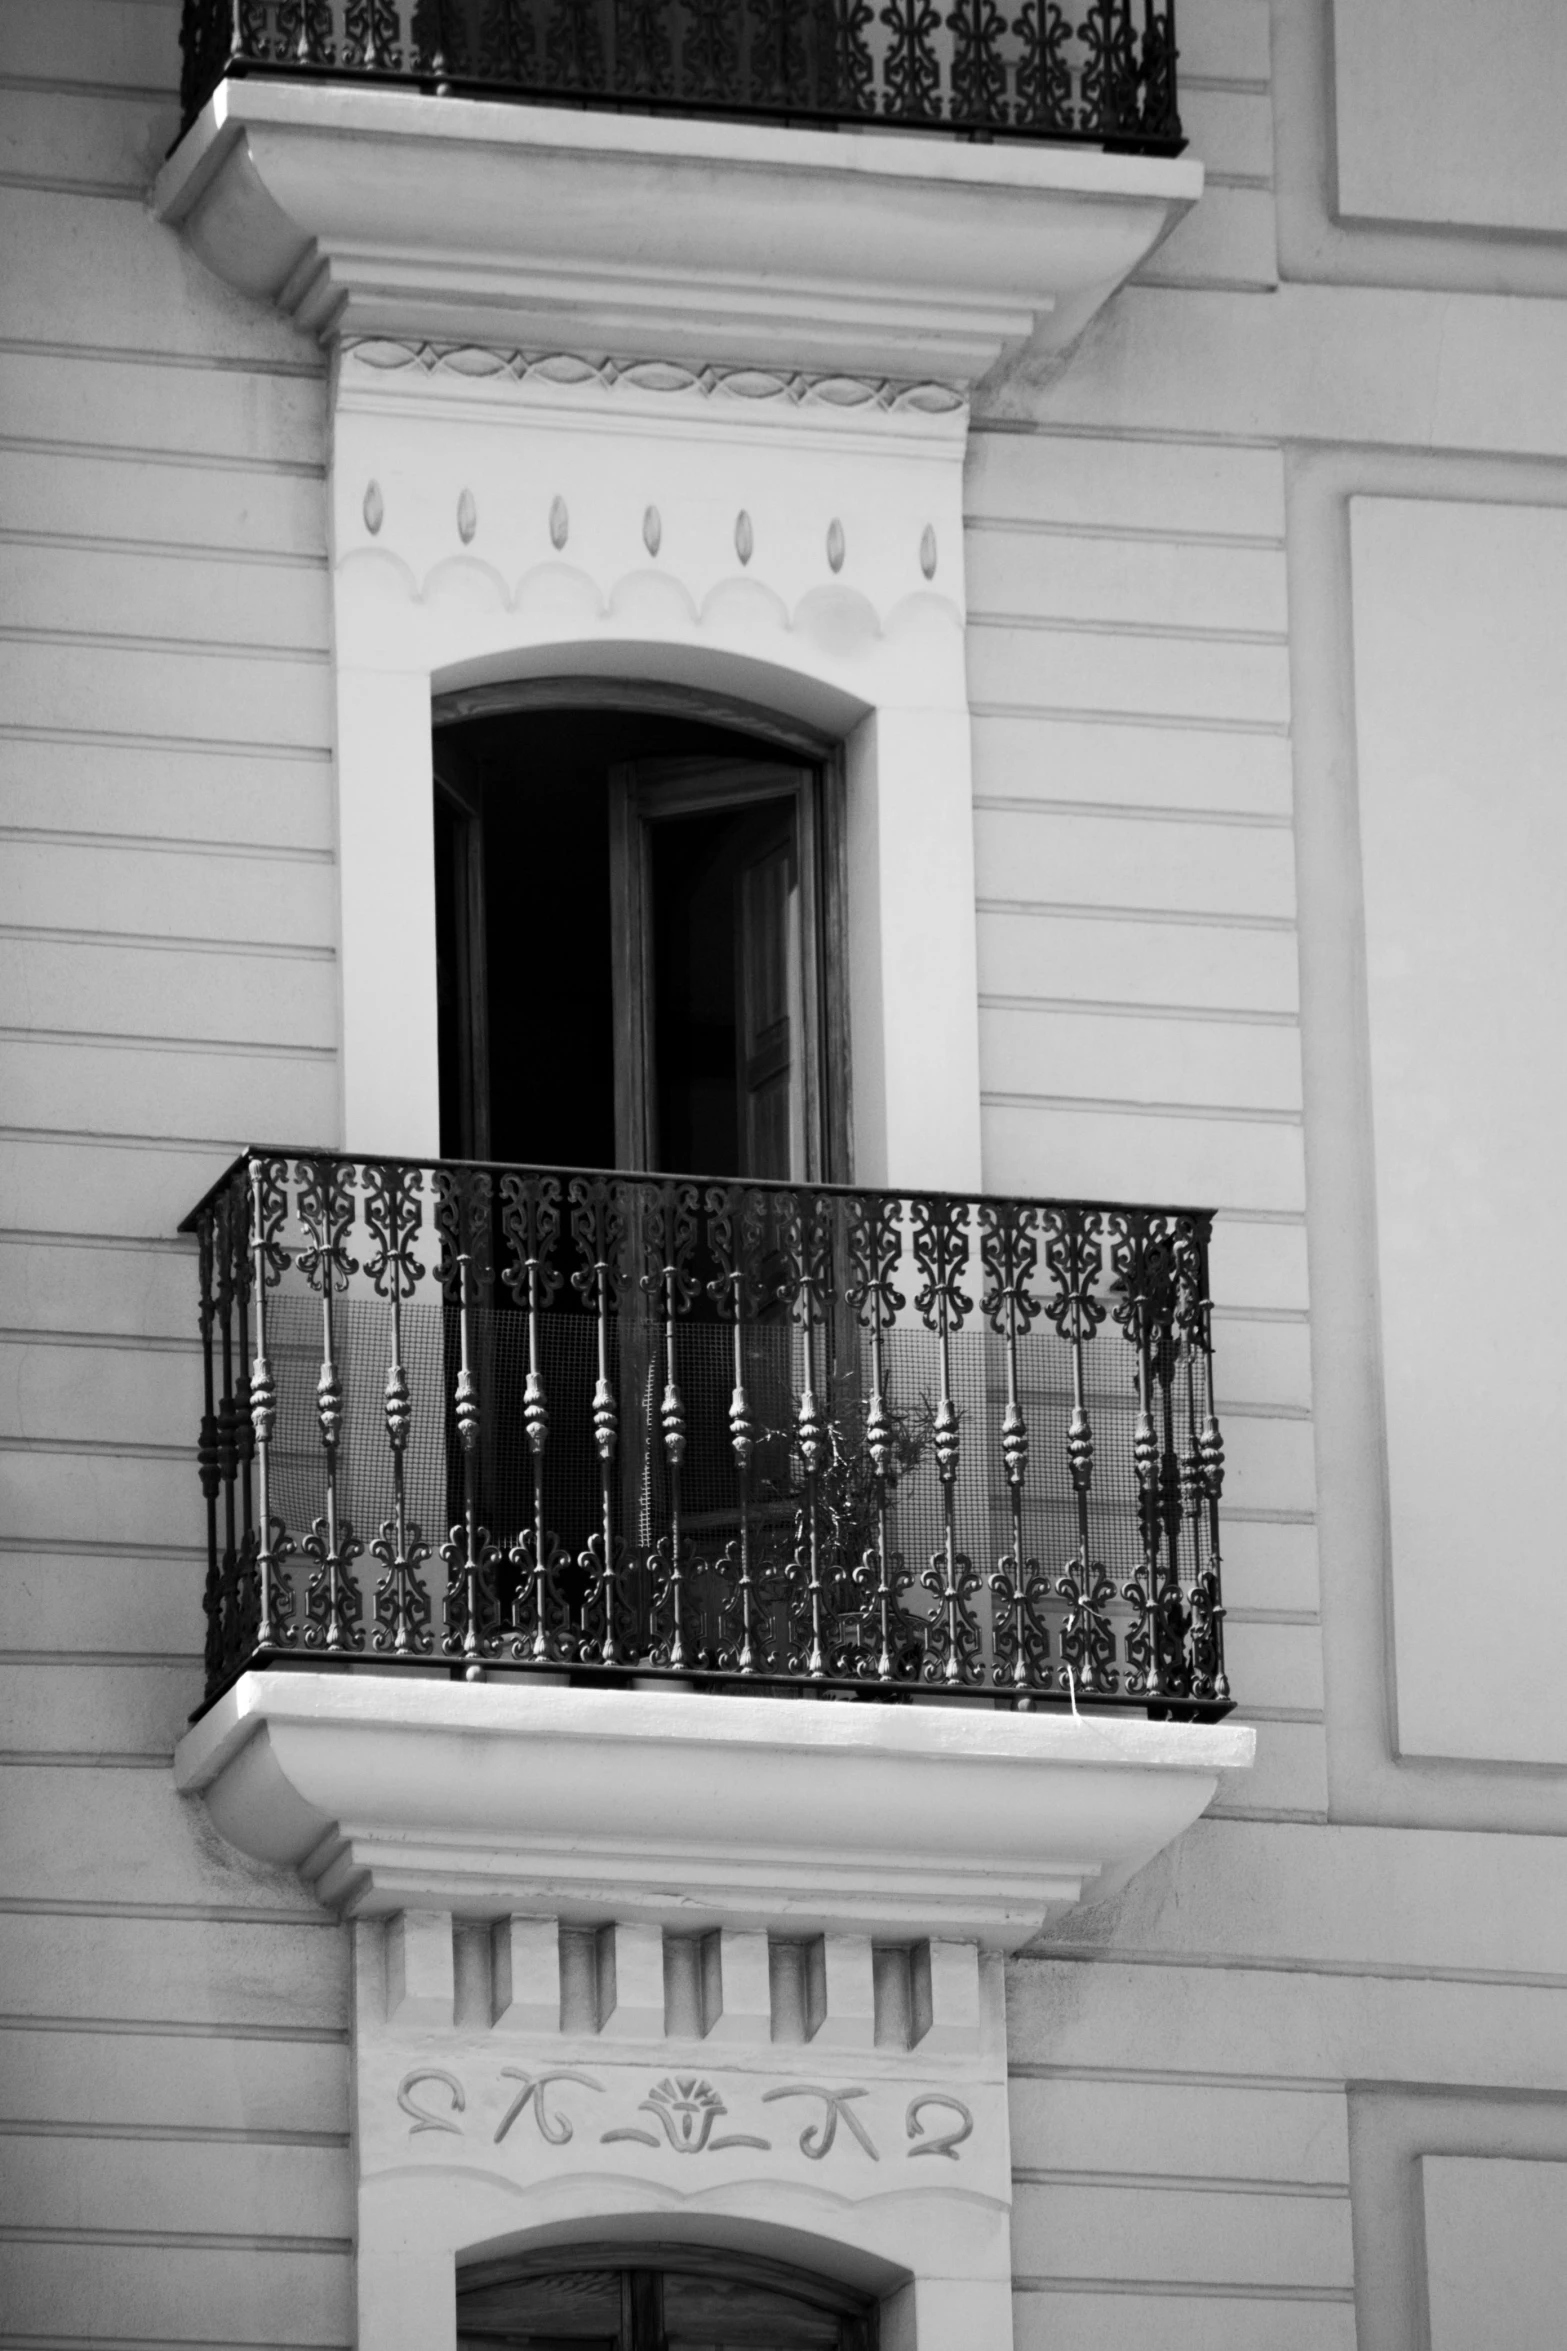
(1028, 526)
(1080, 910)
(1289, 1616)
(1194, 282)
(1155, 436)
(157, 2343)
(1291, 1216)
(1287, 1816)
(166, 550)
(166, 844)
(162, 943)
(1026, 2069)
(1102, 1008)
(188, 460)
(1056, 624)
(1240, 1408)
(139, 2028)
(187, 648)
(95, 1448)
(88, 1138)
(68, 1660)
(178, 746)
(126, 1342)
(1131, 812)
(1311, 1717)
(177, 2240)
(1298, 1315)
(68, 86)
(219, 1048)
(1183, 2289)
(1252, 1963)
(1109, 1106)
(157, 1244)
(198, 2134)
(1162, 721)
(77, 1547)
(81, 1759)
(138, 354)
(233, 1914)
(46, 184)
(1177, 2183)
(1252, 183)
(1226, 85)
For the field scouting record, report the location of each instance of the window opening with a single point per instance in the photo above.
(664, 2299)
(635, 961)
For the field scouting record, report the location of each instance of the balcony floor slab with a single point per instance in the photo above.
(390, 1792)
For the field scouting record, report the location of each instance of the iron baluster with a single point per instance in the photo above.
(598, 1228)
(732, 1235)
(1208, 1677)
(530, 1219)
(874, 1243)
(471, 1539)
(805, 1277)
(979, 74)
(326, 1211)
(952, 1638)
(669, 1282)
(207, 1445)
(1009, 1253)
(462, 1216)
(392, 1197)
(274, 1592)
(370, 30)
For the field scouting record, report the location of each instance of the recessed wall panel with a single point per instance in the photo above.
(1460, 622)
(1448, 114)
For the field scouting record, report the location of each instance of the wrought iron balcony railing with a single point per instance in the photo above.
(607, 1426)
(1105, 79)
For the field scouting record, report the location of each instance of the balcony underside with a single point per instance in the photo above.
(387, 213)
(393, 1794)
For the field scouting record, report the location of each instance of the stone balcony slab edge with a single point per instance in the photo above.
(390, 1791)
(460, 220)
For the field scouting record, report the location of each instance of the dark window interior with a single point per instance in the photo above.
(674, 2299)
(525, 953)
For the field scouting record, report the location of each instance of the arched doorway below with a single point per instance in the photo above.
(654, 2297)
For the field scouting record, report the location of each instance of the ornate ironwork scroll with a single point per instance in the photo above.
(1105, 78)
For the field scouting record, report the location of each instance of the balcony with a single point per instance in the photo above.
(1106, 81)
(632, 1432)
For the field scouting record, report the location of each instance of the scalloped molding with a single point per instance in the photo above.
(479, 362)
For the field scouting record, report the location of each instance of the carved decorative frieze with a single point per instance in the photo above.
(564, 368)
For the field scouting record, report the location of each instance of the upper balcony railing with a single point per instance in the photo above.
(1106, 79)
(725, 1433)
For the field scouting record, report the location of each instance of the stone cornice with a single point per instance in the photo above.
(390, 1793)
(720, 245)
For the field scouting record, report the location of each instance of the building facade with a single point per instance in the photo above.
(1087, 611)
